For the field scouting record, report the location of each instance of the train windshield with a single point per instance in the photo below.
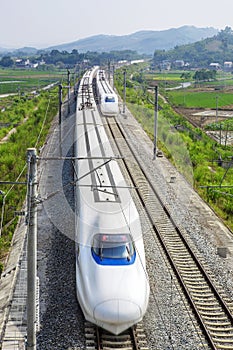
(109, 99)
(108, 249)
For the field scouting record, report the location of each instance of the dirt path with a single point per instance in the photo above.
(12, 131)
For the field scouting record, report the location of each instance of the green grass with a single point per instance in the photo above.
(165, 76)
(200, 99)
(31, 115)
(17, 72)
(22, 80)
(39, 113)
(194, 155)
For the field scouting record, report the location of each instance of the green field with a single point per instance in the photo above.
(19, 81)
(200, 99)
(208, 94)
(166, 76)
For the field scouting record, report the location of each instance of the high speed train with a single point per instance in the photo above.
(108, 99)
(111, 279)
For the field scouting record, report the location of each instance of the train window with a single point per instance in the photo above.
(109, 99)
(109, 249)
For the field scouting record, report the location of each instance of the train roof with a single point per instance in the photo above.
(105, 201)
(103, 83)
(103, 190)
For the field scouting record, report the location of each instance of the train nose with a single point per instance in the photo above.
(117, 311)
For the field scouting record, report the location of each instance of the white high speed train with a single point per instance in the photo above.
(111, 280)
(108, 99)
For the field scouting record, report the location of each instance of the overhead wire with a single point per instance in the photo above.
(43, 123)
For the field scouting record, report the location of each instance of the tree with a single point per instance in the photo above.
(186, 75)
(6, 61)
(204, 75)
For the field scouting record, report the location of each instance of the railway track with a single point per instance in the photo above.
(211, 307)
(98, 339)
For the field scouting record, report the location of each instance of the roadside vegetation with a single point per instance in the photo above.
(206, 164)
(25, 120)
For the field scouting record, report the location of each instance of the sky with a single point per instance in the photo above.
(45, 23)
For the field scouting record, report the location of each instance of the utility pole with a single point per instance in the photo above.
(216, 109)
(60, 101)
(60, 104)
(124, 98)
(220, 133)
(109, 67)
(31, 248)
(113, 74)
(155, 122)
(68, 82)
(226, 136)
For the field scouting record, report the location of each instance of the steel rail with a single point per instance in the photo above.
(213, 339)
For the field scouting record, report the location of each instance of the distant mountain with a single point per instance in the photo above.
(3, 49)
(28, 50)
(145, 42)
(21, 51)
(216, 49)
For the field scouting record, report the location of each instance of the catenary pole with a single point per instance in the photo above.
(60, 116)
(155, 121)
(113, 74)
(60, 101)
(31, 249)
(68, 82)
(109, 67)
(124, 98)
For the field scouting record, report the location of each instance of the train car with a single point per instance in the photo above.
(111, 280)
(108, 99)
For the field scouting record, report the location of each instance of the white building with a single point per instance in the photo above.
(227, 66)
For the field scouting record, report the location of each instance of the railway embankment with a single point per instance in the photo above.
(61, 320)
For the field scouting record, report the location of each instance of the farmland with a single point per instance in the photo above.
(18, 81)
(196, 139)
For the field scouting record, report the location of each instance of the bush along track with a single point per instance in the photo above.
(204, 162)
(25, 124)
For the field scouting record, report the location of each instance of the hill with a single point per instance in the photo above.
(145, 42)
(218, 49)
